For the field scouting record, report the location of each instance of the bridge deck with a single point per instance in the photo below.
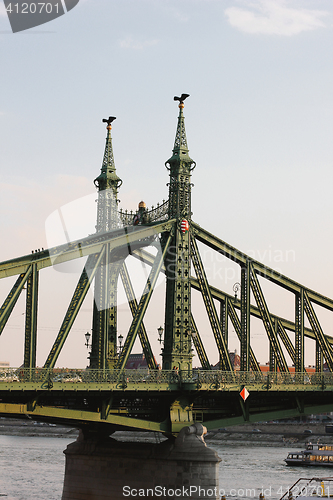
(160, 400)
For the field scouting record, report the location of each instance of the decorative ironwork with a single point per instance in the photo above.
(160, 213)
(108, 184)
(210, 307)
(215, 379)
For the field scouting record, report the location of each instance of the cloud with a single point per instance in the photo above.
(130, 43)
(274, 17)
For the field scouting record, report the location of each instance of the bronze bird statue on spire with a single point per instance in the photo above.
(181, 98)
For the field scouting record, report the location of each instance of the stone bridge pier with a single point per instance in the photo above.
(103, 469)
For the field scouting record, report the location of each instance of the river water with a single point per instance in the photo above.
(32, 468)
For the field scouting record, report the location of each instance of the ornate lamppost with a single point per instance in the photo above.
(160, 331)
(236, 288)
(120, 340)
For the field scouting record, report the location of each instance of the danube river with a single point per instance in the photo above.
(33, 468)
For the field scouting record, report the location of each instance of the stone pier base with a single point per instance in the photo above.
(109, 469)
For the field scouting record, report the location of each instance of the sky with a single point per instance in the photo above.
(259, 124)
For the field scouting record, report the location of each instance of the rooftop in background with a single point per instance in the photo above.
(136, 362)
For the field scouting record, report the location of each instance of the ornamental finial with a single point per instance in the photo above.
(181, 99)
(109, 121)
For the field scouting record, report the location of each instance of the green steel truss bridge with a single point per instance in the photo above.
(106, 396)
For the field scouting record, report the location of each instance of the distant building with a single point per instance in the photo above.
(136, 362)
(235, 361)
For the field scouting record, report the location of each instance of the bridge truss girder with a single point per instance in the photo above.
(237, 311)
(274, 325)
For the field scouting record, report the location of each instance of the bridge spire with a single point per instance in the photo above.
(178, 322)
(180, 166)
(180, 140)
(108, 184)
(104, 328)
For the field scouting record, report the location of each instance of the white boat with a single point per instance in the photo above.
(314, 454)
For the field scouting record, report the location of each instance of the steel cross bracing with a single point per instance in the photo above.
(132, 302)
(166, 399)
(276, 351)
(143, 304)
(210, 307)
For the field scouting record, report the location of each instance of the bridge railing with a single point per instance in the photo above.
(213, 378)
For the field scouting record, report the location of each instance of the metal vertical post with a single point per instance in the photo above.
(104, 329)
(178, 323)
(245, 317)
(319, 358)
(299, 332)
(224, 315)
(30, 342)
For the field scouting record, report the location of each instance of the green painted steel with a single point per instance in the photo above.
(74, 306)
(279, 328)
(285, 323)
(146, 347)
(12, 298)
(82, 248)
(164, 400)
(277, 358)
(177, 350)
(245, 317)
(104, 326)
(199, 347)
(30, 342)
(315, 325)
(299, 332)
(319, 358)
(161, 400)
(88, 379)
(254, 365)
(143, 304)
(210, 307)
(108, 184)
(224, 320)
(241, 258)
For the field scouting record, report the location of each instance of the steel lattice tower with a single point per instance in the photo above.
(104, 331)
(177, 345)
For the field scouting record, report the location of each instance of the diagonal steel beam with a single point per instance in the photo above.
(199, 347)
(285, 339)
(210, 307)
(80, 292)
(12, 297)
(133, 304)
(241, 258)
(282, 325)
(320, 337)
(93, 244)
(143, 304)
(237, 326)
(276, 350)
(286, 323)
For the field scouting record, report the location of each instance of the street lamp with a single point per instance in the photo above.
(120, 339)
(236, 288)
(160, 331)
(87, 336)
